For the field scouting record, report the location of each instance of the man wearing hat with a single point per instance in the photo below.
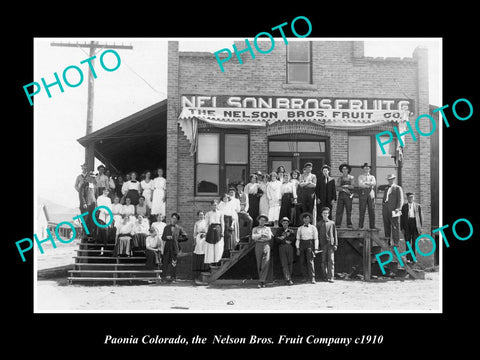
(285, 237)
(306, 189)
(367, 183)
(101, 180)
(81, 178)
(325, 191)
(262, 235)
(87, 200)
(307, 245)
(345, 195)
(411, 221)
(391, 205)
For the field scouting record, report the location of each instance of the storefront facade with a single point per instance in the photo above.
(309, 101)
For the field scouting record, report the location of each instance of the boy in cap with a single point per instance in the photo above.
(307, 245)
(285, 237)
(327, 237)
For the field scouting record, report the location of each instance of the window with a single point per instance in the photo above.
(296, 146)
(299, 67)
(385, 162)
(221, 161)
(360, 152)
(208, 164)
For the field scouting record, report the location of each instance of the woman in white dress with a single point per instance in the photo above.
(129, 210)
(229, 207)
(262, 186)
(199, 235)
(274, 196)
(214, 239)
(159, 187)
(117, 211)
(147, 191)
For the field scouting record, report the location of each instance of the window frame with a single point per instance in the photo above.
(373, 157)
(222, 187)
(309, 62)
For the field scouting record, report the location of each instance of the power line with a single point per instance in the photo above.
(92, 46)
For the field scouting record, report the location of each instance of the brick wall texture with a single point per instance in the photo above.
(339, 69)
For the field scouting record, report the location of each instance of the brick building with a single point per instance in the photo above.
(306, 101)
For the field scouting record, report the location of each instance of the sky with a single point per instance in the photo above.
(140, 81)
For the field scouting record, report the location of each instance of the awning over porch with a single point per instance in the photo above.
(341, 119)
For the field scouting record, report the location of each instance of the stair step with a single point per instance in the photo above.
(143, 278)
(96, 245)
(110, 257)
(109, 264)
(94, 251)
(113, 271)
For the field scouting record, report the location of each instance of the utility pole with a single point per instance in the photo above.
(93, 45)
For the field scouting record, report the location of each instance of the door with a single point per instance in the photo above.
(276, 161)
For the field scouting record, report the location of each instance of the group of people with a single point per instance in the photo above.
(281, 199)
(144, 196)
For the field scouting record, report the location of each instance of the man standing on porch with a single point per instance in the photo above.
(306, 189)
(367, 183)
(391, 207)
(325, 191)
(411, 221)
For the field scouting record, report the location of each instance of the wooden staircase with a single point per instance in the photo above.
(381, 242)
(91, 267)
(226, 263)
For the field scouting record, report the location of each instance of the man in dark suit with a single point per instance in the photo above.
(392, 204)
(325, 192)
(411, 221)
(172, 235)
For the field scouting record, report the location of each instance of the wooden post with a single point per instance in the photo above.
(367, 255)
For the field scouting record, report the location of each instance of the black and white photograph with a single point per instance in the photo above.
(274, 174)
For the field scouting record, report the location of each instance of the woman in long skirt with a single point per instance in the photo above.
(262, 236)
(214, 239)
(296, 208)
(199, 235)
(274, 196)
(251, 189)
(289, 196)
(158, 200)
(229, 207)
(262, 186)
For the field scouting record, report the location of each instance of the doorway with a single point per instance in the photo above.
(294, 154)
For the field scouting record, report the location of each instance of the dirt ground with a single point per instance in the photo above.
(380, 295)
(341, 296)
